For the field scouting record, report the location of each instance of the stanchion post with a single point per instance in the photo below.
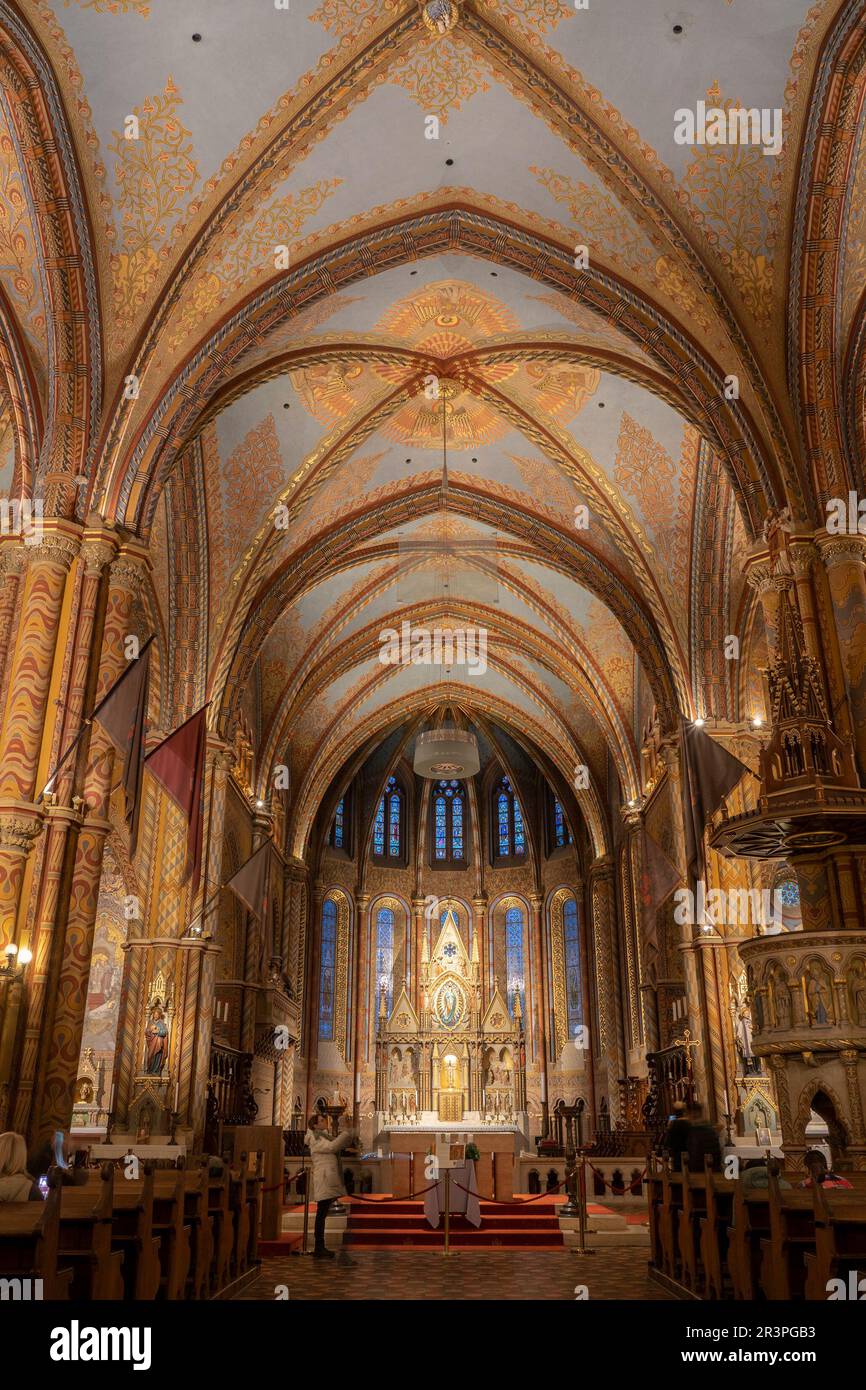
(447, 1250)
(304, 1250)
(581, 1209)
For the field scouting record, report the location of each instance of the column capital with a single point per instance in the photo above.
(296, 870)
(20, 826)
(841, 550)
(13, 557)
(362, 901)
(129, 570)
(56, 548)
(602, 867)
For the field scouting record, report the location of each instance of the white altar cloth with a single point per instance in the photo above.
(464, 1196)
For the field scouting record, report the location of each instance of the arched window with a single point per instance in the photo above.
(514, 963)
(561, 835)
(388, 827)
(339, 834)
(385, 955)
(573, 991)
(328, 972)
(449, 822)
(509, 835)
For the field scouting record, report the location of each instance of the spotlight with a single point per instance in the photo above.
(699, 723)
(757, 722)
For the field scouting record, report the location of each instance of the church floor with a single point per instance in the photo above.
(487, 1274)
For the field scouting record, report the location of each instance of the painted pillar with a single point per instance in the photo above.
(602, 896)
(844, 559)
(31, 668)
(63, 821)
(360, 996)
(13, 563)
(70, 999)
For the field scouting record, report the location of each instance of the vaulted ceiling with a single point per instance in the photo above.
(322, 209)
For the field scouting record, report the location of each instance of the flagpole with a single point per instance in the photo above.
(86, 724)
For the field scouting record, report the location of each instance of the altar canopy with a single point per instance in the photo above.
(452, 1062)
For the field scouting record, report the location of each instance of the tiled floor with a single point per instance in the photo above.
(492, 1274)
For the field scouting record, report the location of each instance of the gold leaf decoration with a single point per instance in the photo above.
(646, 470)
(249, 253)
(733, 186)
(140, 7)
(155, 175)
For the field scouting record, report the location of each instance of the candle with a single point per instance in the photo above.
(336, 1098)
(111, 1099)
(358, 1088)
(176, 1093)
(543, 1087)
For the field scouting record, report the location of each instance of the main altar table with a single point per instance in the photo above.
(494, 1168)
(463, 1191)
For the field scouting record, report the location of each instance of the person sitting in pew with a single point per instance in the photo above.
(756, 1174)
(702, 1140)
(51, 1154)
(816, 1166)
(675, 1138)
(16, 1183)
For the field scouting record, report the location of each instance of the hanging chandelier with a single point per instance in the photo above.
(446, 752)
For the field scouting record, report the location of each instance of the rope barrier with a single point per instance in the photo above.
(521, 1202)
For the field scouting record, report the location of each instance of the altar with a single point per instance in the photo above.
(455, 1066)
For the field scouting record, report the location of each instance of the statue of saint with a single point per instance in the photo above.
(156, 1040)
(817, 997)
(781, 1003)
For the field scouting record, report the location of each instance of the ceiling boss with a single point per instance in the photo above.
(440, 16)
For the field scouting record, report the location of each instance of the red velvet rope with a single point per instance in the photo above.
(522, 1202)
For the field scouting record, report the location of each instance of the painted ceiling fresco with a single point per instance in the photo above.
(461, 311)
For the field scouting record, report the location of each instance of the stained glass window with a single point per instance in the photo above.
(789, 892)
(573, 996)
(561, 832)
(385, 954)
(448, 821)
(388, 825)
(503, 807)
(514, 967)
(509, 832)
(339, 824)
(379, 829)
(328, 974)
(440, 843)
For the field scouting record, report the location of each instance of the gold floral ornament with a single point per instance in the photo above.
(155, 175)
(440, 16)
(733, 185)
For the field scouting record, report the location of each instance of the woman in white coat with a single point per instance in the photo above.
(326, 1183)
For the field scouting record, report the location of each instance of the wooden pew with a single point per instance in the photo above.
(694, 1207)
(840, 1239)
(29, 1244)
(169, 1224)
(240, 1218)
(671, 1205)
(196, 1216)
(792, 1234)
(719, 1194)
(750, 1223)
(223, 1230)
(132, 1232)
(85, 1238)
(655, 1198)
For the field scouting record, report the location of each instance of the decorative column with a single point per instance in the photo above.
(419, 927)
(360, 996)
(25, 716)
(696, 1017)
(67, 1022)
(219, 764)
(808, 988)
(13, 563)
(610, 1049)
(311, 1036)
(844, 558)
(63, 821)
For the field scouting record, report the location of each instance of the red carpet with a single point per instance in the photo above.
(385, 1225)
